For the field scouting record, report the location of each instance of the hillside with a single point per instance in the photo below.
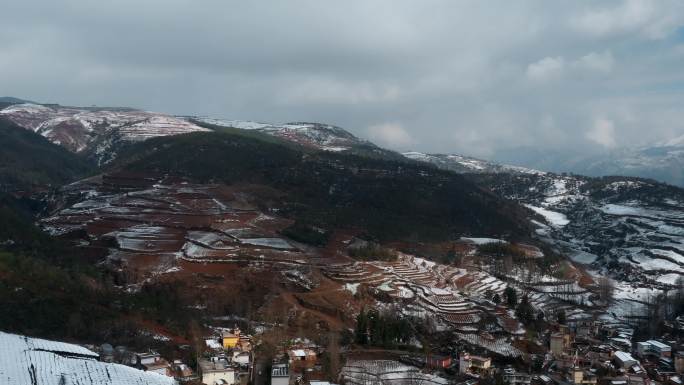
(93, 131)
(627, 227)
(316, 136)
(467, 165)
(389, 199)
(29, 161)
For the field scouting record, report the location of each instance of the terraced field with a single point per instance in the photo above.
(153, 223)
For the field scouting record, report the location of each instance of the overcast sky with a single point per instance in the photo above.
(471, 77)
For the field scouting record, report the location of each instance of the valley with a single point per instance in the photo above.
(303, 231)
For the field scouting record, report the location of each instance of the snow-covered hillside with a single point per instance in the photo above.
(321, 136)
(466, 164)
(98, 132)
(33, 361)
(95, 130)
(630, 228)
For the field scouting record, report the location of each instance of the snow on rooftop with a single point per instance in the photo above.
(658, 344)
(624, 356)
(213, 344)
(25, 361)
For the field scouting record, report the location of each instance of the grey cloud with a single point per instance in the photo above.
(471, 77)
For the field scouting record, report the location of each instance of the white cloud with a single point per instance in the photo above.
(599, 62)
(602, 132)
(392, 135)
(647, 18)
(545, 69)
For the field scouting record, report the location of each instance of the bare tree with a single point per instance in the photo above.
(606, 289)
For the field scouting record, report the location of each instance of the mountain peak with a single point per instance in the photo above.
(309, 134)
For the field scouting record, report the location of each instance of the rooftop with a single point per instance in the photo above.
(624, 356)
(658, 344)
(214, 365)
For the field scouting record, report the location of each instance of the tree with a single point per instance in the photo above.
(332, 363)
(560, 316)
(606, 288)
(361, 331)
(511, 296)
(525, 312)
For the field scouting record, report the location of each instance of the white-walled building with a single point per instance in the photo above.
(217, 371)
(280, 375)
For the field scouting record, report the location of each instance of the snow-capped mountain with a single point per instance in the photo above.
(98, 132)
(95, 131)
(320, 136)
(630, 228)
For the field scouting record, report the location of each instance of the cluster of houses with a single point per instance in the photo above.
(228, 359)
(589, 353)
(299, 364)
(579, 353)
(149, 361)
(225, 360)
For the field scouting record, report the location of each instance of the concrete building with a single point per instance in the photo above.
(241, 358)
(559, 343)
(624, 360)
(579, 376)
(473, 364)
(230, 339)
(153, 362)
(280, 375)
(679, 362)
(216, 371)
(653, 348)
(512, 377)
(438, 361)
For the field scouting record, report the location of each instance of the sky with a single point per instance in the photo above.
(470, 77)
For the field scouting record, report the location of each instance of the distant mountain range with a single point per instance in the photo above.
(100, 132)
(663, 161)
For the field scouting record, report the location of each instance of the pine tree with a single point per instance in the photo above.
(361, 332)
(511, 296)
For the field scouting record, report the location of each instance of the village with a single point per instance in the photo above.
(572, 353)
(354, 311)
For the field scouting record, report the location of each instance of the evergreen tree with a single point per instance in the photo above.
(511, 296)
(561, 316)
(361, 332)
(524, 311)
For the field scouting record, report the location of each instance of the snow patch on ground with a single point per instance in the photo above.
(554, 218)
(482, 241)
